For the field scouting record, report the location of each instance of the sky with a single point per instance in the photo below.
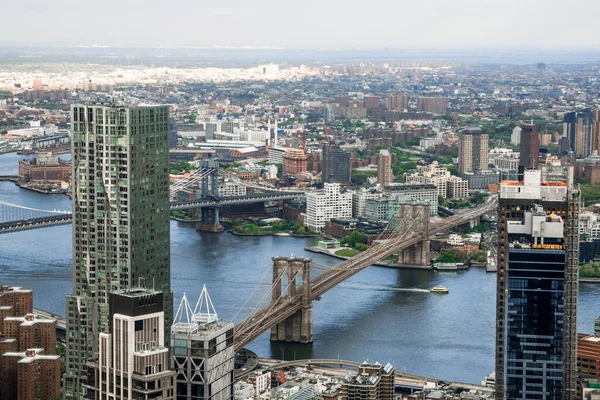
(307, 24)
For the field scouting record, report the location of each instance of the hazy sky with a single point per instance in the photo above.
(314, 24)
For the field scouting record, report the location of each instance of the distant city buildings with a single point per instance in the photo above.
(294, 161)
(336, 164)
(384, 169)
(473, 150)
(530, 147)
(396, 102)
(434, 105)
(582, 130)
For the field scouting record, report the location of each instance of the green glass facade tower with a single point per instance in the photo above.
(120, 192)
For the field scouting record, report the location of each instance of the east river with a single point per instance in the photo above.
(384, 315)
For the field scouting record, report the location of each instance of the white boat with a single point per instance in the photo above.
(439, 289)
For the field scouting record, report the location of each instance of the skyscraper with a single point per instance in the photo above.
(336, 164)
(384, 168)
(202, 352)
(134, 350)
(530, 147)
(120, 219)
(536, 299)
(473, 150)
(582, 130)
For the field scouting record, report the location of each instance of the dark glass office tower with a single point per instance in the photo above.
(537, 286)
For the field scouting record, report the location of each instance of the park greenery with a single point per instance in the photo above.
(261, 227)
(590, 193)
(356, 240)
(180, 167)
(345, 252)
(590, 270)
(359, 177)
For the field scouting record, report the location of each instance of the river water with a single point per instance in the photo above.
(384, 315)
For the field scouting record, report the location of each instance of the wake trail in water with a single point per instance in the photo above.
(383, 288)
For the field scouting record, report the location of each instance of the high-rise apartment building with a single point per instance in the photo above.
(515, 137)
(120, 158)
(336, 164)
(132, 361)
(202, 352)
(172, 133)
(325, 204)
(529, 147)
(370, 102)
(473, 150)
(29, 375)
(434, 105)
(582, 130)
(537, 286)
(384, 169)
(396, 102)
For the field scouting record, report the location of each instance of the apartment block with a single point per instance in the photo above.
(132, 361)
(324, 204)
(473, 150)
(30, 375)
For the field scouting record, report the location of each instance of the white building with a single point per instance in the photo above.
(515, 138)
(252, 135)
(458, 188)
(455, 240)
(229, 188)
(408, 193)
(327, 203)
(276, 154)
(359, 201)
(243, 391)
(377, 210)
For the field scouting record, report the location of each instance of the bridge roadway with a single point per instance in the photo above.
(35, 223)
(258, 323)
(63, 219)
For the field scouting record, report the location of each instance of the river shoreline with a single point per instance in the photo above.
(314, 249)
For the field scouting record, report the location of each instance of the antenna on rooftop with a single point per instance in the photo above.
(205, 310)
(184, 312)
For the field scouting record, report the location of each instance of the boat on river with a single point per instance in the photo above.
(439, 289)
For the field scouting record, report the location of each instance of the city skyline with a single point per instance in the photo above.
(265, 23)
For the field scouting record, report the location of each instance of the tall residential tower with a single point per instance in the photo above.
(473, 150)
(120, 220)
(536, 299)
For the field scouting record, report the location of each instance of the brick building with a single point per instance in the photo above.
(26, 373)
(294, 162)
(46, 168)
(30, 375)
(31, 332)
(14, 302)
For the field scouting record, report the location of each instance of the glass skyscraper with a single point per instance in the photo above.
(120, 197)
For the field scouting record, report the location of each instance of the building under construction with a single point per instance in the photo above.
(536, 339)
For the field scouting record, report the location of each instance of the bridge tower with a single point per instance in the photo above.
(294, 273)
(209, 217)
(418, 219)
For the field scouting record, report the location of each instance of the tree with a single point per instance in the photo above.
(354, 239)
